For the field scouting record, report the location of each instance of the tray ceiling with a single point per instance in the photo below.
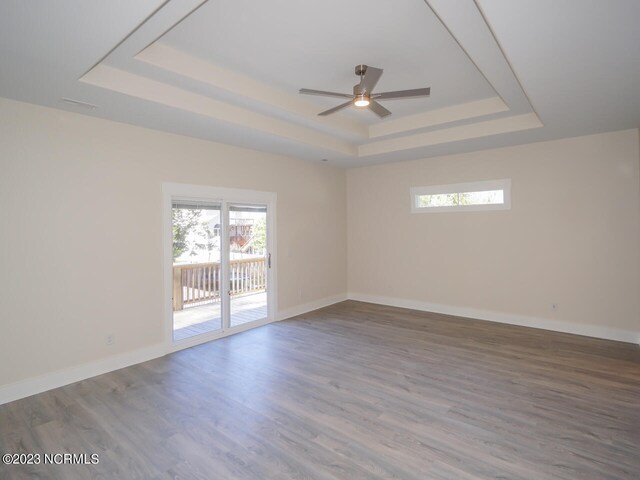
(230, 70)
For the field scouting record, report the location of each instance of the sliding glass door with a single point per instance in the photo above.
(221, 266)
(248, 263)
(197, 273)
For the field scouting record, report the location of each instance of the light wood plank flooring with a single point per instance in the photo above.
(354, 391)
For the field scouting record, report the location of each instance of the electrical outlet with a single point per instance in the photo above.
(109, 339)
(554, 306)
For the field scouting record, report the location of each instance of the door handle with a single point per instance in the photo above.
(269, 260)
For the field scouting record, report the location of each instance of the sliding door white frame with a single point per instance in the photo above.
(224, 196)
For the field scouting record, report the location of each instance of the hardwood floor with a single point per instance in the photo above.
(353, 391)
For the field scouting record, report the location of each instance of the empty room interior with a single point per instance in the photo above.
(256, 240)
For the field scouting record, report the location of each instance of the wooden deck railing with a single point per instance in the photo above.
(199, 283)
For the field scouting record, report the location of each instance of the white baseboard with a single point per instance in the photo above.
(48, 381)
(500, 317)
(59, 378)
(42, 383)
(309, 307)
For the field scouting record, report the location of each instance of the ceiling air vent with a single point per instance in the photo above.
(78, 103)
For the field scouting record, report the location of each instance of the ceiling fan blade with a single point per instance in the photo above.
(378, 109)
(335, 109)
(307, 91)
(416, 92)
(370, 79)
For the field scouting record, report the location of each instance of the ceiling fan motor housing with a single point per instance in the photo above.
(357, 90)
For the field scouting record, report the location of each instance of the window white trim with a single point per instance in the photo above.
(502, 184)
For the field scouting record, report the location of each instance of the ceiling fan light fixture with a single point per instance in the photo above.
(362, 93)
(361, 100)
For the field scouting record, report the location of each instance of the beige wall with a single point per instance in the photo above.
(81, 219)
(571, 237)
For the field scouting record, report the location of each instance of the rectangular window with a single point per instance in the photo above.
(474, 196)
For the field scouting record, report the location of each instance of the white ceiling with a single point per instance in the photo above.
(293, 44)
(501, 72)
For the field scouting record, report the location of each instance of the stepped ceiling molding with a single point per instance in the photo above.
(230, 70)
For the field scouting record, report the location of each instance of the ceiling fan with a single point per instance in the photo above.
(363, 95)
